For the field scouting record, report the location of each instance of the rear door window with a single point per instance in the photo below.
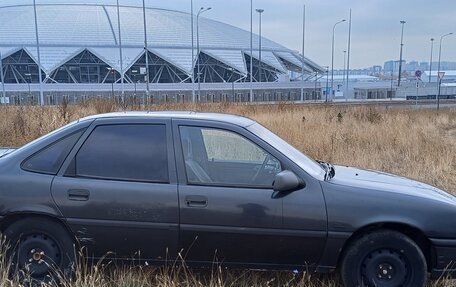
(126, 153)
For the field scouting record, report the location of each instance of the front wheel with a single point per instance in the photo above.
(384, 259)
(39, 249)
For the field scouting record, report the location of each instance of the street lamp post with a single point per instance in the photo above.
(40, 80)
(327, 84)
(193, 54)
(29, 75)
(348, 53)
(392, 77)
(202, 10)
(146, 50)
(400, 58)
(2, 76)
(303, 51)
(315, 88)
(345, 63)
(440, 57)
(332, 55)
(260, 12)
(111, 70)
(430, 62)
(251, 52)
(120, 53)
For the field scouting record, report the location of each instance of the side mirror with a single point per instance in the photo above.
(287, 181)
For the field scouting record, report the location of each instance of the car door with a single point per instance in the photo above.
(118, 192)
(228, 210)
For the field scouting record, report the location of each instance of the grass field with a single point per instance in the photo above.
(417, 144)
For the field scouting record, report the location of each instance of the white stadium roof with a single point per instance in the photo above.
(65, 30)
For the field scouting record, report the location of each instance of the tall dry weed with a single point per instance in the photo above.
(420, 144)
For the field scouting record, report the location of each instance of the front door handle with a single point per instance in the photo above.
(196, 201)
(78, 194)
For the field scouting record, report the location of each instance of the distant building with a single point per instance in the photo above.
(377, 69)
(351, 78)
(450, 76)
(392, 66)
(412, 66)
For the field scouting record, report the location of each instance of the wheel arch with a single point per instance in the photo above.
(414, 233)
(13, 217)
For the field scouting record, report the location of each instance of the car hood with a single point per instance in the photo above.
(381, 181)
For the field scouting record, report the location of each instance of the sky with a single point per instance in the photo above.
(376, 28)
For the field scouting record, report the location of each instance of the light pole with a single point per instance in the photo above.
(193, 54)
(327, 84)
(400, 58)
(430, 62)
(29, 75)
(146, 50)
(111, 70)
(348, 52)
(2, 76)
(345, 63)
(332, 55)
(440, 57)
(392, 77)
(40, 80)
(260, 11)
(202, 10)
(315, 88)
(120, 53)
(303, 51)
(134, 76)
(251, 52)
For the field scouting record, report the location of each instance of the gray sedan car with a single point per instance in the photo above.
(220, 188)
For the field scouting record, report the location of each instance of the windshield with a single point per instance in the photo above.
(309, 165)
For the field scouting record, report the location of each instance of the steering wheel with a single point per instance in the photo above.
(261, 169)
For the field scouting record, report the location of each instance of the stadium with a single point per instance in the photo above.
(82, 48)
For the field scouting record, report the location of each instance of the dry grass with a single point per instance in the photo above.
(417, 144)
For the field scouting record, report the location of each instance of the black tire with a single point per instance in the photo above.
(44, 246)
(384, 259)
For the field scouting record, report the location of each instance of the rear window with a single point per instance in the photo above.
(49, 159)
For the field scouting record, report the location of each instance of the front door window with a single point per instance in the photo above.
(224, 158)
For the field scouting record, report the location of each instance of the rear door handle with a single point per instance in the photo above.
(196, 201)
(78, 194)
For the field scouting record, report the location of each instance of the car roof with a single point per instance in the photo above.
(218, 117)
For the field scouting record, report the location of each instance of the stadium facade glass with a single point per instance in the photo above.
(81, 43)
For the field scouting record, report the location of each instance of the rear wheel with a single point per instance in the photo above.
(384, 259)
(40, 249)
